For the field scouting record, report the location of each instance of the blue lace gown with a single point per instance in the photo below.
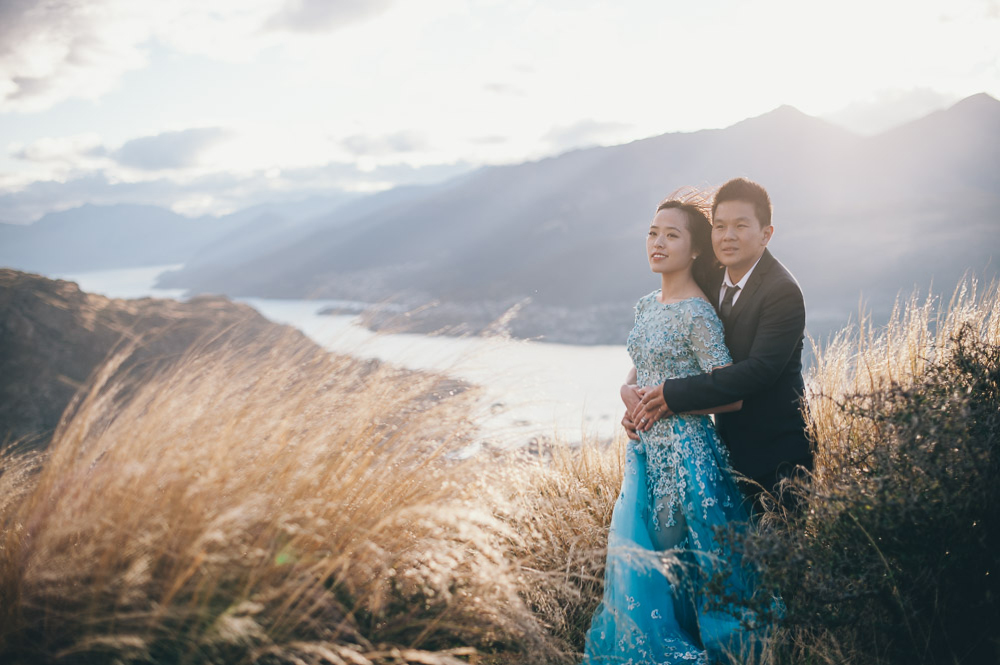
(677, 486)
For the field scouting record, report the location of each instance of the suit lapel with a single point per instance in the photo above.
(716, 284)
(756, 278)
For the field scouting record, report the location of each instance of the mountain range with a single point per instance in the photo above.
(99, 237)
(563, 238)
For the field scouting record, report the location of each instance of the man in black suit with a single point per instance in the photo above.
(762, 310)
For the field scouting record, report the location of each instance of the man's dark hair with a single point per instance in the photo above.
(741, 189)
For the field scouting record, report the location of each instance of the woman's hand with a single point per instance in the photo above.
(630, 395)
(629, 427)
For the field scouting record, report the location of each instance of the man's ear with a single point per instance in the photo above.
(768, 232)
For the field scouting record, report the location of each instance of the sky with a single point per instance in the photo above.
(210, 106)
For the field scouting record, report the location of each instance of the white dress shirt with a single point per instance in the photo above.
(726, 281)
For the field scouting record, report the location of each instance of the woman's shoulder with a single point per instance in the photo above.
(699, 306)
(699, 310)
(646, 299)
(695, 305)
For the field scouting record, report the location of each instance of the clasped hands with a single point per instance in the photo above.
(643, 407)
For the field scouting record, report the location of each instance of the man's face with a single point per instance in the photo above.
(737, 237)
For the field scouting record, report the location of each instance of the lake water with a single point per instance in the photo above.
(531, 389)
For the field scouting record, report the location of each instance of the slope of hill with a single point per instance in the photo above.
(53, 336)
(854, 217)
(269, 230)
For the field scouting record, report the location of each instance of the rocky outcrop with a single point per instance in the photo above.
(53, 336)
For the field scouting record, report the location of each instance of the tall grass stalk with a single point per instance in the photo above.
(865, 358)
(268, 503)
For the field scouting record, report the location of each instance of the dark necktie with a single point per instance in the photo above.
(727, 301)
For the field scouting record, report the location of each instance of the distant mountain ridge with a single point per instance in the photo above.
(855, 216)
(100, 237)
(92, 237)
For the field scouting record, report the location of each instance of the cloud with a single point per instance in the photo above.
(504, 89)
(220, 168)
(216, 193)
(27, 87)
(490, 139)
(42, 197)
(56, 50)
(324, 15)
(53, 50)
(344, 176)
(55, 158)
(169, 150)
(68, 157)
(585, 133)
(395, 143)
(66, 150)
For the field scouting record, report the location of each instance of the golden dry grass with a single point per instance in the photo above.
(278, 504)
(274, 504)
(864, 358)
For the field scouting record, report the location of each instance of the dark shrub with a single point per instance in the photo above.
(895, 556)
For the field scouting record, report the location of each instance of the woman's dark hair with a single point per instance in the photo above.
(741, 189)
(694, 204)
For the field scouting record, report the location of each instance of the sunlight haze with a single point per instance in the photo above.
(209, 107)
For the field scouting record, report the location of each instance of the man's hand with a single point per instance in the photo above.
(629, 427)
(650, 408)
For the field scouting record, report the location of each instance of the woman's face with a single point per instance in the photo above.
(668, 245)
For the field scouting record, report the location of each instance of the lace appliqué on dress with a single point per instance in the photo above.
(671, 341)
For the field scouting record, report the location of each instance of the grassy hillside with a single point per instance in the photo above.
(53, 336)
(280, 505)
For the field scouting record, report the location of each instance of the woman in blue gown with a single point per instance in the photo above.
(677, 485)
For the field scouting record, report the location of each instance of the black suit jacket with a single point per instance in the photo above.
(764, 333)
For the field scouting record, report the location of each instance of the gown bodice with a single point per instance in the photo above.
(675, 340)
(670, 341)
